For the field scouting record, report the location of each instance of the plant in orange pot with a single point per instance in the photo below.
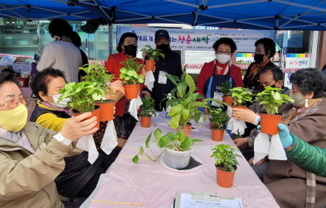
(226, 164)
(271, 98)
(132, 79)
(152, 55)
(147, 110)
(218, 119)
(225, 89)
(240, 97)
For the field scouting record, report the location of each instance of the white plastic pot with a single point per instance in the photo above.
(177, 159)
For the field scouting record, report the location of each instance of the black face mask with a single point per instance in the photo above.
(164, 47)
(259, 58)
(131, 50)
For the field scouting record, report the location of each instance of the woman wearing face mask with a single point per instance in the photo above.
(220, 70)
(265, 50)
(32, 156)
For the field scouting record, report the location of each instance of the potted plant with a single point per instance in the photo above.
(147, 110)
(152, 55)
(271, 98)
(218, 119)
(97, 73)
(240, 97)
(225, 89)
(131, 77)
(83, 96)
(226, 163)
(177, 148)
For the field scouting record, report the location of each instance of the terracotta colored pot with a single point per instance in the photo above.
(186, 129)
(146, 121)
(224, 178)
(242, 107)
(228, 100)
(269, 123)
(217, 135)
(106, 110)
(131, 91)
(149, 66)
(95, 112)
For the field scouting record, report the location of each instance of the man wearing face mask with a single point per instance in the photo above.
(220, 70)
(169, 64)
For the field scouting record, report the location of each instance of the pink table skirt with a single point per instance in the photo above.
(152, 185)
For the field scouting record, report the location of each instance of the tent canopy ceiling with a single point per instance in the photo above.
(246, 14)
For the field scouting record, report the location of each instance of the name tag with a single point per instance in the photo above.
(162, 77)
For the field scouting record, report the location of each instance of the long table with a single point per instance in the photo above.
(154, 186)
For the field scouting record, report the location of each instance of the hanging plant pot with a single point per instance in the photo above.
(95, 112)
(269, 123)
(217, 135)
(149, 66)
(242, 106)
(131, 91)
(185, 129)
(228, 100)
(146, 121)
(106, 110)
(224, 178)
(177, 159)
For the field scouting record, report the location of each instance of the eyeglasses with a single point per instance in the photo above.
(223, 52)
(14, 102)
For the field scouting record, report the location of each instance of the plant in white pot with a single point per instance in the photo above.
(177, 148)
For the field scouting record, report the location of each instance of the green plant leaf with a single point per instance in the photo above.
(191, 84)
(148, 139)
(135, 159)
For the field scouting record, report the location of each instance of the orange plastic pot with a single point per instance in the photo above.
(146, 121)
(224, 178)
(269, 123)
(131, 91)
(95, 112)
(228, 100)
(106, 110)
(242, 107)
(217, 135)
(149, 66)
(210, 125)
(186, 129)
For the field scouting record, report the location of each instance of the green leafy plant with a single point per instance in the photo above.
(225, 88)
(129, 72)
(219, 118)
(176, 142)
(152, 53)
(148, 107)
(241, 95)
(225, 157)
(83, 95)
(271, 98)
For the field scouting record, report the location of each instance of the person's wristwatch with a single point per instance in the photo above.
(62, 139)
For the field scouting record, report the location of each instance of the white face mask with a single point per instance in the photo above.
(62, 104)
(223, 58)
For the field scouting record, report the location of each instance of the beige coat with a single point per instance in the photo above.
(27, 179)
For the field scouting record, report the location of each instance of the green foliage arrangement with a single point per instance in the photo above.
(152, 53)
(219, 118)
(148, 107)
(241, 95)
(225, 88)
(129, 72)
(271, 98)
(83, 95)
(177, 142)
(226, 157)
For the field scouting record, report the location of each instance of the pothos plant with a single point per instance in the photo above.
(225, 88)
(148, 107)
(225, 157)
(219, 118)
(83, 95)
(241, 96)
(176, 142)
(152, 53)
(129, 72)
(271, 98)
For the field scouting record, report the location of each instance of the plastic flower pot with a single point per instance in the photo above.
(269, 123)
(95, 112)
(149, 66)
(186, 129)
(177, 159)
(131, 91)
(217, 135)
(228, 100)
(106, 110)
(242, 106)
(145, 121)
(224, 178)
